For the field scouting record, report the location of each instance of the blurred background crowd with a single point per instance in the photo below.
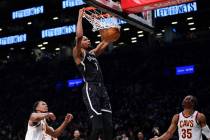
(143, 86)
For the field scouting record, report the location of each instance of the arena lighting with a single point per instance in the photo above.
(99, 35)
(163, 31)
(1, 29)
(55, 18)
(175, 10)
(192, 29)
(133, 38)
(57, 49)
(133, 41)
(174, 23)
(141, 35)
(140, 32)
(29, 23)
(183, 70)
(126, 29)
(59, 31)
(45, 43)
(71, 3)
(42, 48)
(121, 43)
(74, 82)
(13, 39)
(159, 34)
(97, 42)
(191, 23)
(28, 12)
(40, 45)
(189, 18)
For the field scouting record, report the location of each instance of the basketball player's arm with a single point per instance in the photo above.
(52, 138)
(169, 133)
(36, 117)
(79, 35)
(57, 132)
(101, 47)
(202, 121)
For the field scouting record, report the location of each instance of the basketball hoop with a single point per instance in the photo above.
(99, 20)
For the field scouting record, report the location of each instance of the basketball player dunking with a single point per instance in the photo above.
(95, 95)
(37, 125)
(191, 124)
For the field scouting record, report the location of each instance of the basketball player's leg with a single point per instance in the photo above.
(97, 127)
(107, 126)
(106, 116)
(92, 102)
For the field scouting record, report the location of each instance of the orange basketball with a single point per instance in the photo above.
(110, 34)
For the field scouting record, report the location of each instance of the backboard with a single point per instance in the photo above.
(136, 6)
(140, 20)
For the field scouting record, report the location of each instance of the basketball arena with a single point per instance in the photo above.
(104, 70)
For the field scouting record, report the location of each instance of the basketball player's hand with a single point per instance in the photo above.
(51, 116)
(81, 13)
(68, 118)
(155, 138)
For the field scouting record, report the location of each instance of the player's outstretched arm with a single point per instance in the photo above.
(169, 133)
(36, 117)
(79, 35)
(101, 47)
(79, 29)
(56, 133)
(202, 121)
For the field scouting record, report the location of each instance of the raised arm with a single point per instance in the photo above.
(104, 41)
(169, 133)
(79, 35)
(36, 117)
(202, 121)
(101, 47)
(56, 133)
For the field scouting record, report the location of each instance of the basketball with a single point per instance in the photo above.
(110, 34)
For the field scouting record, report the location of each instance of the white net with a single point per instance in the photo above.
(99, 20)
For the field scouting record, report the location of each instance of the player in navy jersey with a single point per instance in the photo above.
(95, 95)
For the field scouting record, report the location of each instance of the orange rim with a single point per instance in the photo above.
(89, 8)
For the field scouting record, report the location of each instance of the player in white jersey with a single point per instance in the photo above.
(48, 137)
(37, 126)
(191, 124)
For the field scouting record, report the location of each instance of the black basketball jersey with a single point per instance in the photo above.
(90, 69)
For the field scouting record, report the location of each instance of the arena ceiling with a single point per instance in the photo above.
(55, 16)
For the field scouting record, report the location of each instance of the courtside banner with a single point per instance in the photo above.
(136, 6)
